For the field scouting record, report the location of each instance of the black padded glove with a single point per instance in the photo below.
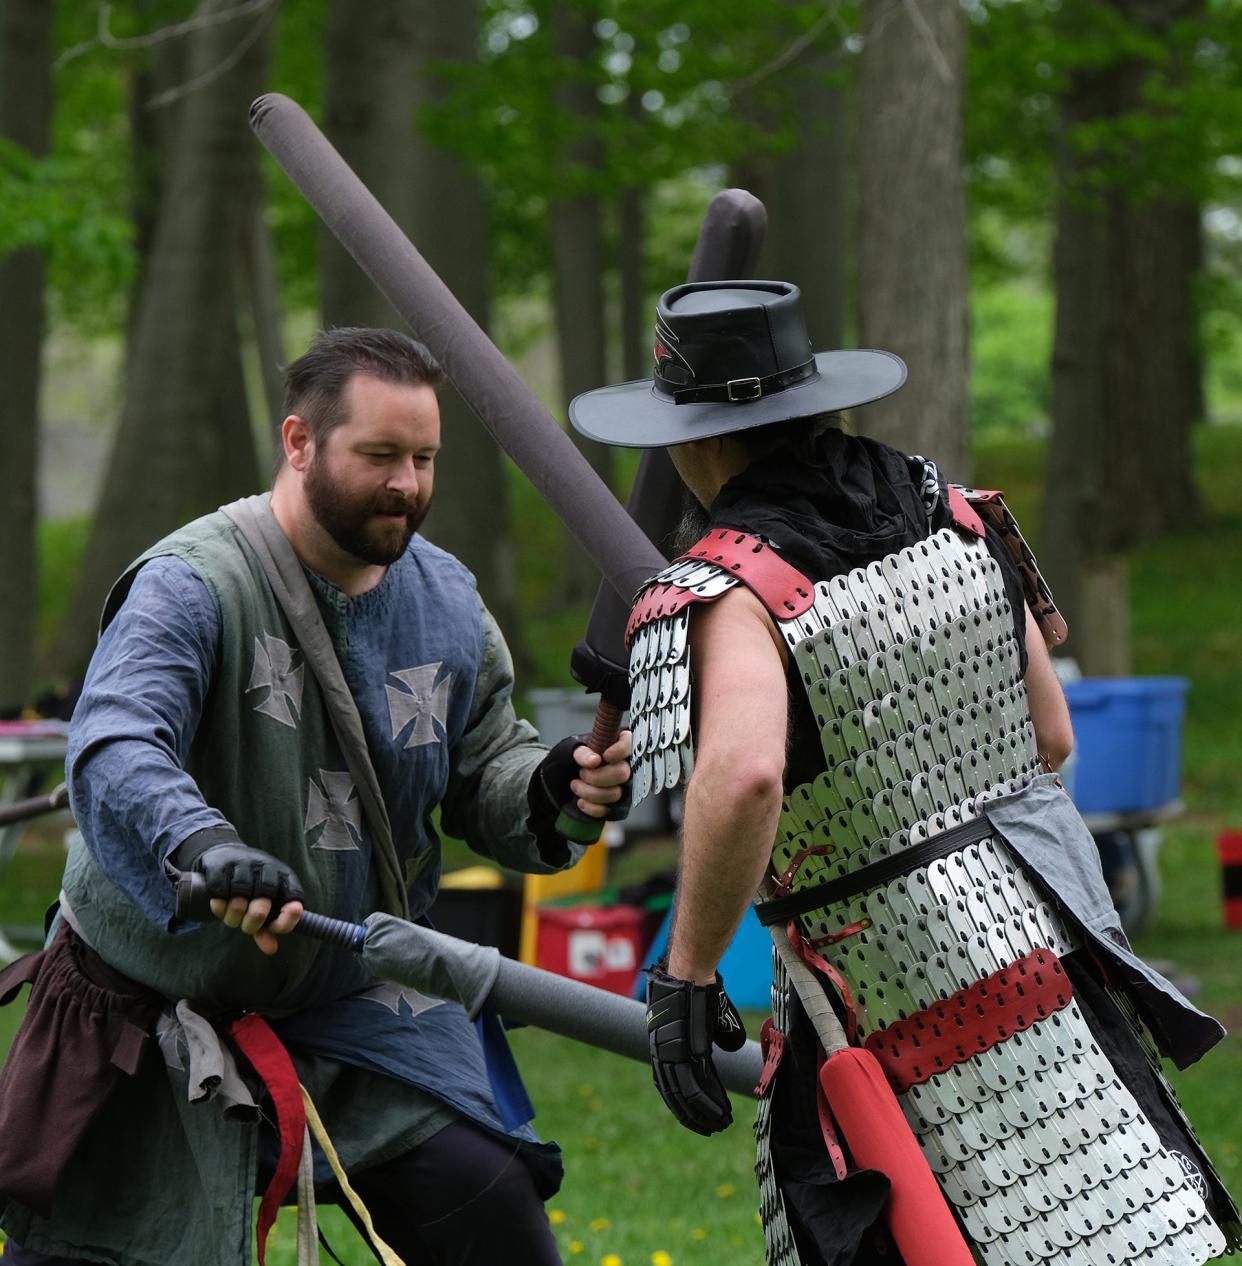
(233, 869)
(552, 776)
(684, 1020)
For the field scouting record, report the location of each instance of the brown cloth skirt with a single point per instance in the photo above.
(86, 1026)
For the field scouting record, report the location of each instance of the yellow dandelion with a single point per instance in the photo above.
(661, 1258)
(610, 1259)
(576, 1246)
(586, 1091)
(698, 1233)
(556, 1216)
(758, 1219)
(600, 1224)
(725, 1190)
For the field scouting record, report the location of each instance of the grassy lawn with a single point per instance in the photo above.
(641, 1190)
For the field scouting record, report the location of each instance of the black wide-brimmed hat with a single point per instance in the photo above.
(731, 355)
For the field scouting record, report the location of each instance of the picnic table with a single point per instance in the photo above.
(27, 749)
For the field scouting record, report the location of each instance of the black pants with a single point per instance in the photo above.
(463, 1198)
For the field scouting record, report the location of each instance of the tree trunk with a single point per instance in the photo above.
(635, 320)
(184, 444)
(263, 304)
(912, 268)
(577, 256)
(804, 189)
(1126, 373)
(370, 97)
(808, 192)
(25, 119)
(1159, 379)
(450, 229)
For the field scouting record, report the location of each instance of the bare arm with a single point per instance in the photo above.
(1054, 735)
(734, 797)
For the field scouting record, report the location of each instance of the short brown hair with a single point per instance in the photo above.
(315, 382)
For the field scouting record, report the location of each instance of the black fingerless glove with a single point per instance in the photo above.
(684, 1021)
(232, 869)
(549, 790)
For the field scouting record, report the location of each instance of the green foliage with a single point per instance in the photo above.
(679, 87)
(73, 203)
(297, 71)
(1179, 112)
(1011, 332)
(60, 543)
(1184, 627)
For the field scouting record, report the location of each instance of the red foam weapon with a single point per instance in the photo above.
(875, 1129)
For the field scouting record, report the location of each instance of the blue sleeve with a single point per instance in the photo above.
(133, 726)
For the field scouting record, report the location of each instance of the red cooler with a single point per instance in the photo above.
(596, 944)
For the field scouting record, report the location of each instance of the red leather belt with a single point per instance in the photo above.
(972, 1020)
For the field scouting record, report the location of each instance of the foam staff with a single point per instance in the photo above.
(23, 810)
(486, 381)
(445, 967)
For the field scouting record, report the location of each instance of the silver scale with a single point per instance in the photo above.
(884, 662)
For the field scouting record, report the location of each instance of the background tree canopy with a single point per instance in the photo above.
(1032, 201)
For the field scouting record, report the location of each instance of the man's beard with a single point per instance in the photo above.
(350, 521)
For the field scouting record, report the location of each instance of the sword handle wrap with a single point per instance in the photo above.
(571, 822)
(606, 727)
(193, 903)
(334, 931)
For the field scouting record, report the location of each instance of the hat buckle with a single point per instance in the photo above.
(739, 390)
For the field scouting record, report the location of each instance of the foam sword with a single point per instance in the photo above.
(434, 963)
(540, 448)
(488, 383)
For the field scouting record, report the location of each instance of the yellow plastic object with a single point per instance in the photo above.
(473, 877)
(587, 876)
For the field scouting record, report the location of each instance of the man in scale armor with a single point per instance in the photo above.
(871, 747)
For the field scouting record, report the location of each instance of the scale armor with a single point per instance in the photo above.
(913, 673)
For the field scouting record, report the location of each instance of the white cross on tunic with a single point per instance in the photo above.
(391, 995)
(425, 703)
(335, 807)
(273, 670)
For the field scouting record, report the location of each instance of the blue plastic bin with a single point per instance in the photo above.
(1128, 741)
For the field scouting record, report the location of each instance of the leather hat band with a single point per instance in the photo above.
(741, 390)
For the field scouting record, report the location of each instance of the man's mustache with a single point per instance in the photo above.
(399, 505)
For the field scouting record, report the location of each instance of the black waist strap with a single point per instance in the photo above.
(835, 891)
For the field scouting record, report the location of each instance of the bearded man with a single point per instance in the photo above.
(849, 671)
(284, 694)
